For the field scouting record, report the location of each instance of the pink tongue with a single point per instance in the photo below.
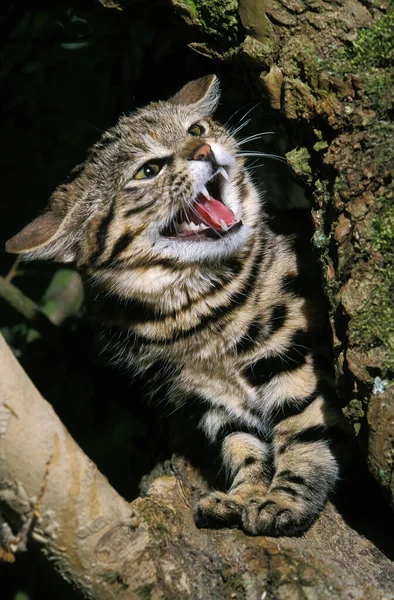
(213, 212)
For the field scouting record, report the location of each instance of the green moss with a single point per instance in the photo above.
(115, 578)
(373, 325)
(379, 87)
(374, 46)
(144, 591)
(369, 54)
(383, 232)
(369, 58)
(191, 5)
(233, 583)
(299, 59)
(219, 19)
(355, 412)
(275, 577)
(260, 53)
(299, 160)
(321, 145)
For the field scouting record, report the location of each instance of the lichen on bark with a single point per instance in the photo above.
(217, 19)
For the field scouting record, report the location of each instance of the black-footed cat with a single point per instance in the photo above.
(164, 220)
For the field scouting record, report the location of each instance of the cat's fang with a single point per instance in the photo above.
(224, 173)
(205, 192)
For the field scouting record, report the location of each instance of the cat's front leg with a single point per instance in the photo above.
(247, 461)
(307, 451)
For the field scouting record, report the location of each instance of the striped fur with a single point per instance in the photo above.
(235, 320)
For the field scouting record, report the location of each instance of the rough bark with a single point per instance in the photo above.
(108, 548)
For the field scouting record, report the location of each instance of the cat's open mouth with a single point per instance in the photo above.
(207, 218)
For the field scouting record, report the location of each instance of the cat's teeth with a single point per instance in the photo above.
(190, 227)
(205, 192)
(223, 224)
(182, 226)
(224, 173)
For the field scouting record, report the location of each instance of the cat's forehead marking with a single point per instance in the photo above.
(159, 130)
(143, 136)
(163, 118)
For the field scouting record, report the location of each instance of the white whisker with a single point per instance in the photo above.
(243, 116)
(264, 155)
(233, 132)
(256, 136)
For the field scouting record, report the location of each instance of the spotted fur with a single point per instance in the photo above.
(233, 321)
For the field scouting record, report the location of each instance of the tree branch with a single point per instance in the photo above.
(49, 483)
(109, 549)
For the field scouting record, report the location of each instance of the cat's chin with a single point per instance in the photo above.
(204, 248)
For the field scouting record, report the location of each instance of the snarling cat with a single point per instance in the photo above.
(182, 268)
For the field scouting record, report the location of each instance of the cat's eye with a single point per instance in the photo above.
(149, 170)
(196, 130)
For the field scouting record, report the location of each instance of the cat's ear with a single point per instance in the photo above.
(47, 236)
(203, 92)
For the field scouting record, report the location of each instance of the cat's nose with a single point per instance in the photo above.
(203, 152)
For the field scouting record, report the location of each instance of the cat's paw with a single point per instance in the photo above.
(276, 516)
(216, 510)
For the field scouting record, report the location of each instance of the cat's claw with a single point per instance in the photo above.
(218, 510)
(268, 517)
